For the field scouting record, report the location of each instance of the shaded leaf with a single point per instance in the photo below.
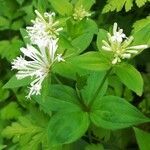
(67, 127)
(60, 98)
(143, 139)
(63, 7)
(94, 61)
(111, 112)
(15, 83)
(130, 77)
(94, 81)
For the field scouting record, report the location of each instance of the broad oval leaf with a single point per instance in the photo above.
(130, 77)
(68, 69)
(63, 7)
(15, 83)
(142, 36)
(85, 3)
(65, 128)
(143, 139)
(94, 61)
(102, 35)
(113, 112)
(84, 32)
(94, 81)
(60, 98)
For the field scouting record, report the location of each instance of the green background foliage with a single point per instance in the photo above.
(71, 113)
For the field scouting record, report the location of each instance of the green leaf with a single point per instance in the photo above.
(42, 5)
(60, 98)
(81, 46)
(94, 61)
(94, 147)
(15, 83)
(113, 5)
(4, 23)
(29, 131)
(142, 35)
(87, 4)
(16, 25)
(28, 9)
(66, 47)
(10, 111)
(24, 35)
(143, 139)
(4, 94)
(45, 87)
(68, 69)
(63, 7)
(130, 77)
(24, 126)
(140, 3)
(101, 133)
(81, 81)
(10, 49)
(20, 1)
(116, 87)
(102, 35)
(138, 25)
(82, 30)
(65, 128)
(93, 83)
(111, 112)
(2, 147)
(89, 30)
(8, 8)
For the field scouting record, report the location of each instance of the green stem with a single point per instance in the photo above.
(90, 136)
(100, 87)
(84, 106)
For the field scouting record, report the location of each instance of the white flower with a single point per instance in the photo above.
(44, 28)
(80, 13)
(118, 44)
(36, 63)
(118, 36)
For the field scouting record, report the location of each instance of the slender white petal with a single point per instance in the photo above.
(115, 28)
(132, 51)
(105, 43)
(127, 42)
(38, 66)
(126, 55)
(44, 28)
(114, 61)
(118, 45)
(106, 48)
(138, 47)
(59, 58)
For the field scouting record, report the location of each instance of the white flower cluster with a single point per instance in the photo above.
(118, 44)
(80, 13)
(36, 62)
(43, 29)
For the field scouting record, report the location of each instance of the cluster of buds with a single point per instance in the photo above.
(80, 13)
(36, 62)
(119, 45)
